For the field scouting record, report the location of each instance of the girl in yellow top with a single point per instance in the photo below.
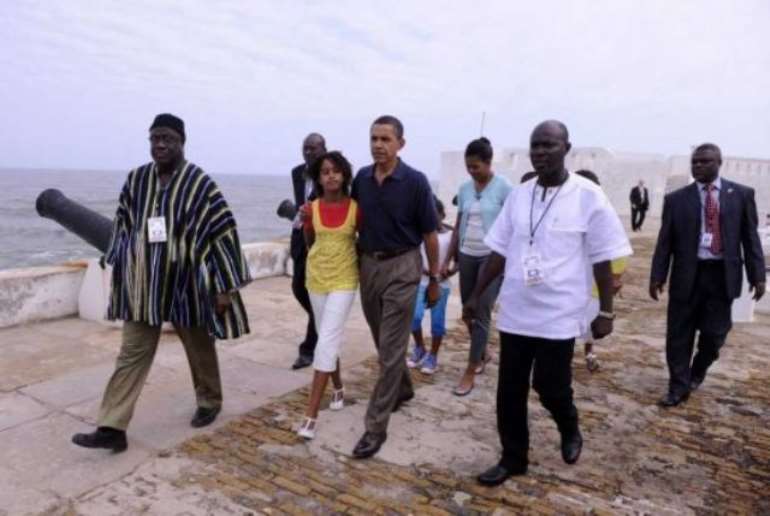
(618, 267)
(330, 225)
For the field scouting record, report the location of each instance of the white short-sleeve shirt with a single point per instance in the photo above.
(579, 229)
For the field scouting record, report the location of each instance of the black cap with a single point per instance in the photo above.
(170, 121)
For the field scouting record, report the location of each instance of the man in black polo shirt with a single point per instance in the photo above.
(398, 215)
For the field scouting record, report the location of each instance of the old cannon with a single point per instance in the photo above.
(94, 228)
(286, 210)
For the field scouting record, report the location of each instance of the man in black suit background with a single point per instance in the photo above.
(640, 203)
(313, 146)
(708, 229)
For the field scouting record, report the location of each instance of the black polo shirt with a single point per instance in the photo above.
(396, 214)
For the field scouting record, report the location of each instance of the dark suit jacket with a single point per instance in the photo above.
(297, 247)
(639, 199)
(680, 235)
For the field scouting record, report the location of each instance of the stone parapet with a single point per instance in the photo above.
(39, 293)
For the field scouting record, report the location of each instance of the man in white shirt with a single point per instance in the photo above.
(549, 232)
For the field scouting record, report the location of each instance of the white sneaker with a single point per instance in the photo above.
(338, 399)
(307, 430)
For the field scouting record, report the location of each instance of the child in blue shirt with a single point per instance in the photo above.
(420, 357)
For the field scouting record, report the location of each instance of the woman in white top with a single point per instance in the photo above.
(479, 201)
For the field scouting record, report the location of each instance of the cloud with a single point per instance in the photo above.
(252, 78)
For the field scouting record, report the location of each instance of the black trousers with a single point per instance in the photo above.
(637, 217)
(709, 312)
(307, 347)
(552, 380)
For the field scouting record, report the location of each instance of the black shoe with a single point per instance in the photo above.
(571, 446)
(204, 416)
(103, 437)
(302, 361)
(498, 474)
(369, 444)
(402, 400)
(672, 400)
(696, 380)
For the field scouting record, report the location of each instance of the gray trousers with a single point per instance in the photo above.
(470, 272)
(388, 292)
(140, 340)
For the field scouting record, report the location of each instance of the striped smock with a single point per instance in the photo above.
(177, 280)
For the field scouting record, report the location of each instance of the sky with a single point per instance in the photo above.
(82, 80)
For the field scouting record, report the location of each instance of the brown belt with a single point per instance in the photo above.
(387, 255)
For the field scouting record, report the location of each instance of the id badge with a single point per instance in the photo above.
(706, 239)
(156, 229)
(532, 265)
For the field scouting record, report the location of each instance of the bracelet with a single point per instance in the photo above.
(606, 315)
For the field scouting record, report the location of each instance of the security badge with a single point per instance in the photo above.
(156, 229)
(706, 239)
(532, 264)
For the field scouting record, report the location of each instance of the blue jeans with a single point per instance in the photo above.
(437, 313)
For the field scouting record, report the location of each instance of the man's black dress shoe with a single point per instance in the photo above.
(369, 444)
(302, 361)
(204, 416)
(498, 474)
(103, 437)
(672, 400)
(695, 381)
(571, 446)
(402, 400)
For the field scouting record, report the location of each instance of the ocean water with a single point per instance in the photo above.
(26, 239)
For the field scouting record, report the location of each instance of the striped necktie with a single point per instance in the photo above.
(712, 220)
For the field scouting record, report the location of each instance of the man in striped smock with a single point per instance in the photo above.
(176, 258)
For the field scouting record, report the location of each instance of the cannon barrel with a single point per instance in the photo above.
(94, 228)
(286, 209)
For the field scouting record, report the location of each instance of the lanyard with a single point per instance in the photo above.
(533, 230)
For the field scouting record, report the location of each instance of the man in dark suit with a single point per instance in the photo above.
(313, 146)
(708, 229)
(640, 203)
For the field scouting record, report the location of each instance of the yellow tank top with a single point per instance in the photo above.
(617, 267)
(332, 263)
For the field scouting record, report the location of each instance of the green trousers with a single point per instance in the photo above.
(140, 340)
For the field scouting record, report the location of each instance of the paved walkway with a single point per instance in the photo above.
(711, 456)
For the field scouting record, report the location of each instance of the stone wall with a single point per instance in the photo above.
(40, 293)
(618, 173)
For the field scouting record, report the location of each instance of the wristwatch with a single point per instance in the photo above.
(434, 277)
(606, 315)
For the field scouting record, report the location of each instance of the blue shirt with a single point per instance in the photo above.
(397, 213)
(491, 199)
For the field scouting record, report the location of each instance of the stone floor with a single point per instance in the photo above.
(710, 456)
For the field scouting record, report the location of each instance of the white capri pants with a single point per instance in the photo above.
(330, 311)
